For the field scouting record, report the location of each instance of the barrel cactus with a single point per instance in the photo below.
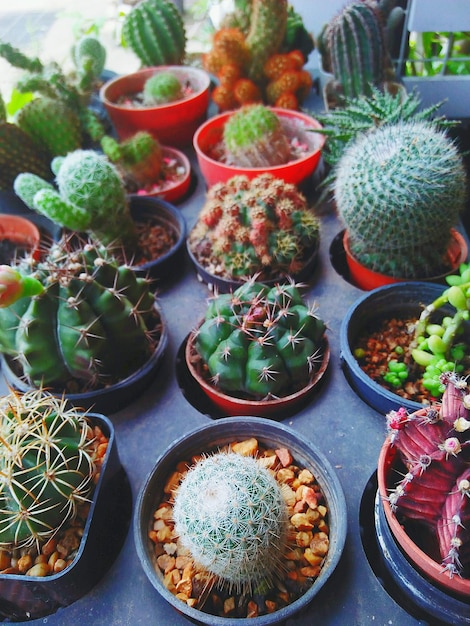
(263, 226)
(162, 88)
(399, 190)
(434, 490)
(77, 319)
(260, 342)
(155, 32)
(229, 512)
(51, 470)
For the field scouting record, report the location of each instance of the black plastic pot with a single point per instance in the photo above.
(399, 299)
(212, 436)
(30, 597)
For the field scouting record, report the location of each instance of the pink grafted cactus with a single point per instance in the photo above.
(434, 445)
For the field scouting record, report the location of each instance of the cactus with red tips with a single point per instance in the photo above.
(434, 445)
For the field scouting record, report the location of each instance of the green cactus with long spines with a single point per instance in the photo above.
(259, 341)
(50, 472)
(399, 190)
(268, 22)
(155, 31)
(254, 137)
(91, 197)
(91, 323)
(161, 88)
(229, 512)
(19, 153)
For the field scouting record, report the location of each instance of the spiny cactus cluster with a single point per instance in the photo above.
(46, 465)
(155, 32)
(399, 190)
(434, 446)
(262, 226)
(76, 319)
(161, 88)
(229, 512)
(260, 342)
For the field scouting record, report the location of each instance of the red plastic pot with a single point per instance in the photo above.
(367, 279)
(173, 124)
(211, 132)
(21, 232)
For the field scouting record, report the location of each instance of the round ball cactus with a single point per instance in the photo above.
(46, 466)
(399, 190)
(161, 88)
(230, 514)
(260, 342)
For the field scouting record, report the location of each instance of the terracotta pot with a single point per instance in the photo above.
(21, 232)
(278, 408)
(367, 279)
(216, 435)
(177, 189)
(389, 472)
(211, 132)
(172, 124)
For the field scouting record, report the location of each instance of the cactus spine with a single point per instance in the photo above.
(434, 446)
(260, 342)
(230, 514)
(155, 31)
(399, 190)
(46, 466)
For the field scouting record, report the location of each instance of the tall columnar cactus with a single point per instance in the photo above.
(260, 341)
(263, 226)
(91, 197)
(155, 31)
(355, 41)
(46, 466)
(76, 319)
(229, 512)
(434, 446)
(254, 137)
(399, 190)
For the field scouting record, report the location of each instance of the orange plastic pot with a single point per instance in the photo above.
(210, 134)
(173, 124)
(21, 232)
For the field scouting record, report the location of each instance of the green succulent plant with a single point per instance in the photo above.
(399, 190)
(19, 153)
(260, 342)
(161, 88)
(46, 465)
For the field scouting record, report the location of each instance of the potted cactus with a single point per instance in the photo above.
(423, 478)
(57, 492)
(261, 226)
(399, 190)
(257, 139)
(81, 323)
(258, 351)
(222, 582)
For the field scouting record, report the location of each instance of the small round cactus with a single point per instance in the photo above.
(399, 190)
(230, 514)
(46, 466)
(161, 88)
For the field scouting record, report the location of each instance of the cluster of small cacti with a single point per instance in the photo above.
(262, 226)
(434, 446)
(260, 342)
(76, 319)
(51, 470)
(258, 56)
(399, 190)
(161, 88)
(155, 32)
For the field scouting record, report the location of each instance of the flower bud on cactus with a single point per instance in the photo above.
(434, 446)
(46, 466)
(161, 88)
(92, 323)
(260, 342)
(229, 512)
(399, 190)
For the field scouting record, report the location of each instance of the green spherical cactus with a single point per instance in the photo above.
(91, 197)
(78, 319)
(399, 190)
(155, 31)
(46, 466)
(19, 153)
(162, 88)
(254, 137)
(230, 514)
(260, 342)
